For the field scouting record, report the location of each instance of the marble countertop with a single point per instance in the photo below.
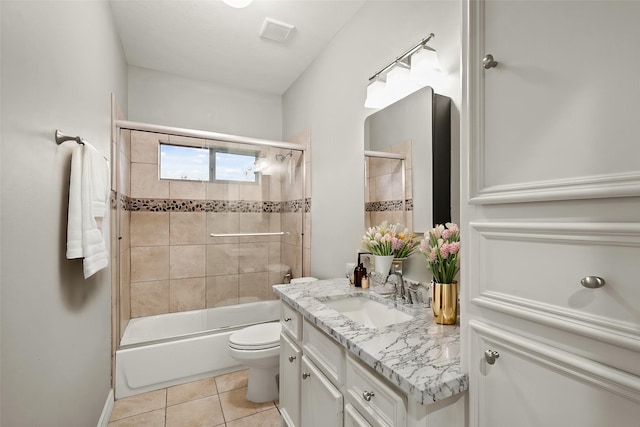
(421, 357)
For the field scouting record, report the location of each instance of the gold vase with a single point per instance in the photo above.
(444, 301)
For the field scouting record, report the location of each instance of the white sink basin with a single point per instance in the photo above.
(367, 312)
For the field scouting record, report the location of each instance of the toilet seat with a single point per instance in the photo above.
(257, 337)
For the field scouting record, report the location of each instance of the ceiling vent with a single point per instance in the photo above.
(275, 30)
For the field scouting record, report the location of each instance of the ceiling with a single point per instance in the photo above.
(209, 40)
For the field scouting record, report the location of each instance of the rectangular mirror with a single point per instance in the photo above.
(408, 162)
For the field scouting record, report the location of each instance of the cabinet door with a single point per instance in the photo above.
(531, 384)
(548, 121)
(321, 401)
(290, 362)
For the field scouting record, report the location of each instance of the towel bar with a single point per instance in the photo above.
(277, 233)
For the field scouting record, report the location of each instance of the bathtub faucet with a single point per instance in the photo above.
(286, 279)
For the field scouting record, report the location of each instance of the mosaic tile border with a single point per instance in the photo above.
(238, 206)
(389, 205)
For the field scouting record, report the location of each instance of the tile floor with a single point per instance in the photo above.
(215, 401)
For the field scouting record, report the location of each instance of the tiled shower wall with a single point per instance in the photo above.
(174, 264)
(384, 198)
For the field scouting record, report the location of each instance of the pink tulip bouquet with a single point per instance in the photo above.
(441, 247)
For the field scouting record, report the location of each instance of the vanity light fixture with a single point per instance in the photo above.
(403, 76)
(238, 4)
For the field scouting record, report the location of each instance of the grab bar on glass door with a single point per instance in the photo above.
(277, 233)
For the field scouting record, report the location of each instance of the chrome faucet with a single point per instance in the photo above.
(396, 270)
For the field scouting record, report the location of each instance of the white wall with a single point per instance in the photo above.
(61, 60)
(166, 99)
(328, 99)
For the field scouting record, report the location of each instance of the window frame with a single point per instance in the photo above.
(212, 163)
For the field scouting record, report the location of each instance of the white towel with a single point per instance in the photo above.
(74, 216)
(88, 196)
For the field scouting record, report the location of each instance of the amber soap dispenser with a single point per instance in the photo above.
(359, 273)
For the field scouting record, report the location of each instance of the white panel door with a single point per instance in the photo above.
(557, 118)
(322, 402)
(551, 141)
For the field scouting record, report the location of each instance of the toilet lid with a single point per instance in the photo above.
(257, 337)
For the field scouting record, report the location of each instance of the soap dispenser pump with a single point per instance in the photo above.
(359, 273)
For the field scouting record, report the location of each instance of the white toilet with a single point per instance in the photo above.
(258, 348)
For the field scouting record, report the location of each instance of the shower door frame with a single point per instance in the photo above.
(208, 135)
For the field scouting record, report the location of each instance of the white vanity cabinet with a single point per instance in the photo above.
(307, 396)
(323, 385)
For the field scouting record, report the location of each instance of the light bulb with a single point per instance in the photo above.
(376, 94)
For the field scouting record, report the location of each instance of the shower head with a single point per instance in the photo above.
(283, 157)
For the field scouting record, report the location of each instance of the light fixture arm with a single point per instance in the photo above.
(399, 60)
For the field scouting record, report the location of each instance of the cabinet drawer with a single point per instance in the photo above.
(509, 281)
(327, 354)
(377, 402)
(291, 321)
(352, 417)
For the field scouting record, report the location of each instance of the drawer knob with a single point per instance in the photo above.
(593, 282)
(489, 62)
(286, 319)
(305, 375)
(367, 395)
(490, 356)
(292, 358)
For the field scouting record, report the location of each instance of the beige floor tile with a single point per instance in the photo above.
(205, 412)
(191, 391)
(235, 405)
(268, 418)
(139, 404)
(148, 419)
(232, 381)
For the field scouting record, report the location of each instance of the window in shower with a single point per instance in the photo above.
(231, 166)
(184, 163)
(207, 164)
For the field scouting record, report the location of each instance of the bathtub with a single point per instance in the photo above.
(169, 349)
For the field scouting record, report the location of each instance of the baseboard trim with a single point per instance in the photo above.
(106, 411)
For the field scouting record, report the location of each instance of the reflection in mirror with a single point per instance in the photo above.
(385, 186)
(408, 162)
